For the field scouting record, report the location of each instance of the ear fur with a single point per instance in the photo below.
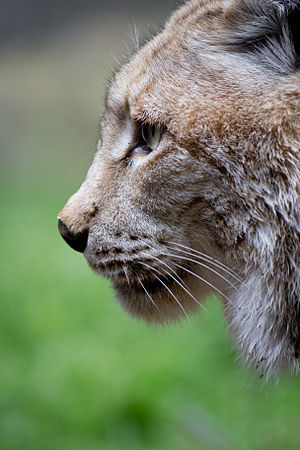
(267, 31)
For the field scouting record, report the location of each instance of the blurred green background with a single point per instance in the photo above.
(76, 372)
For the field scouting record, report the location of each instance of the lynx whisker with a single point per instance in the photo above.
(186, 290)
(177, 280)
(167, 288)
(147, 293)
(126, 275)
(202, 265)
(203, 280)
(209, 259)
(169, 267)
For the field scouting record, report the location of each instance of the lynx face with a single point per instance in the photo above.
(195, 183)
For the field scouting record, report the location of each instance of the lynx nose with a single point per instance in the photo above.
(77, 241)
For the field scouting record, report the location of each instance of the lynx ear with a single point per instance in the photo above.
(268, 31)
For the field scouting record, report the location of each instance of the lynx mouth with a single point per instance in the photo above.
(138, 276)
(151, 288)
(135, 264)
(159, 280)
(166, 271)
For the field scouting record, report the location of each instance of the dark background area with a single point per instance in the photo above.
(23, 21)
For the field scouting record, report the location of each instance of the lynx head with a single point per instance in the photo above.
(195, 183)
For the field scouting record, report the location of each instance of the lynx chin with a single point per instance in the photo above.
(195, 184)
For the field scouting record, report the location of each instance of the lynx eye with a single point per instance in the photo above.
(151, 135)
(148, 140)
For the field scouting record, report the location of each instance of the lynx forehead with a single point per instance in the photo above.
(195, 183)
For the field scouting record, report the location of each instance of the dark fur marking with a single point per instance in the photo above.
(294, 26)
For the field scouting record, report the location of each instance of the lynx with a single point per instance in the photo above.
(195, 184)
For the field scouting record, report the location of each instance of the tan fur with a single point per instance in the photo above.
(224, 181)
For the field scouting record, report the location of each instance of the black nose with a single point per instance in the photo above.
(77, 241)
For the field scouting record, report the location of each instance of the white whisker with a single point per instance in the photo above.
(203, 265)
(180, 282)
(186, 290)
(170, 268)
(203, 280)
(126, 275)
(210, 259)
(147, 293)
(191, 272)
(167, 288)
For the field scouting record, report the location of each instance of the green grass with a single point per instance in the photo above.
(76, 372)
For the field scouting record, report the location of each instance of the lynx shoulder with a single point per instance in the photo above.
(195, 183)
